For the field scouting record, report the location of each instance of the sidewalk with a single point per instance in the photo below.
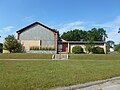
(108, 84)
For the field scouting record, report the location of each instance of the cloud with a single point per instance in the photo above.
(70, 26)
(112, 29)
(114, 35)
(6, 29)
(112, 24)
(29, 18)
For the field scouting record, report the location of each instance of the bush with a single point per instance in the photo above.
(98, 50)
(41, 48)
(77, 50)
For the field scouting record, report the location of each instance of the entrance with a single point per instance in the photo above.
(65, 47)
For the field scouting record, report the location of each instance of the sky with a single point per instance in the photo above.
(63, 15)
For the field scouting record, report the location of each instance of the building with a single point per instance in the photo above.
(66, 46)
(39, 35)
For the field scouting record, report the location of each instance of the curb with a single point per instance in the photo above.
(79, 86)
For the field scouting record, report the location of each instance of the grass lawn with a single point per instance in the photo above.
(95, 56)
(71, 56)
(25, 56)
(46, 74)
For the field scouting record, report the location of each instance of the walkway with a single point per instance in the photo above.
(110, 85)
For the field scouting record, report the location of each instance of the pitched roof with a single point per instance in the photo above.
(23, 29)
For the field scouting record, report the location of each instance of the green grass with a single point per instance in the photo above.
(25, 56)
(95, 56)
(71, 56)
(46, 74)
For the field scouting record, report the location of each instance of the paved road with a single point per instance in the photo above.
(111, 85)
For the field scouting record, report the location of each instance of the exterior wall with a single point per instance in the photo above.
(38, 32)
(38, 35)
(6, 51)
(28, 43)
(42, 52)
(83, 46)
(71, 46)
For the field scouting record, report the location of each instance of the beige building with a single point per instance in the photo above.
(66, 46)
(39, 35)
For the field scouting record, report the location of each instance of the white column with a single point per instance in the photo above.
(105, 48)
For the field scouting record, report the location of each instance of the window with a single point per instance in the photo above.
(40, 42)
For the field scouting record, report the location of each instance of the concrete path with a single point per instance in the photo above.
(110, 85)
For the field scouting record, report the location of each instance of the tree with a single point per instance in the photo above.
(91, 35)
(117, 48)
(74, 35)
(94, 35)
(89, 46)
(1, 47)
(11, 44)
(119, 30)
(109, 44)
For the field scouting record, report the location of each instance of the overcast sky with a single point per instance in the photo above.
(62, 15)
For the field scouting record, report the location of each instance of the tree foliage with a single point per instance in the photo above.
(11, 44)
(119, 30)
(1, 47)
(110, 44)
(117, 48)
(74, 35)
(89, 46)
(90, 35)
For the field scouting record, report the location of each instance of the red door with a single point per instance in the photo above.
(64, 47)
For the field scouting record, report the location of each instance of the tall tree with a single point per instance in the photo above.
(11, 44)
(119, 30)
(91, 35)
(74, 35)
(1, 47)
(102, 34)
(110, 44)
(117, 48)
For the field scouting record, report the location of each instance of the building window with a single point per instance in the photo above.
(40, 42)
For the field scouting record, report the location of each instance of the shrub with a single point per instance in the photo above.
(98, 50)
(41, 48)
(77, 49)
